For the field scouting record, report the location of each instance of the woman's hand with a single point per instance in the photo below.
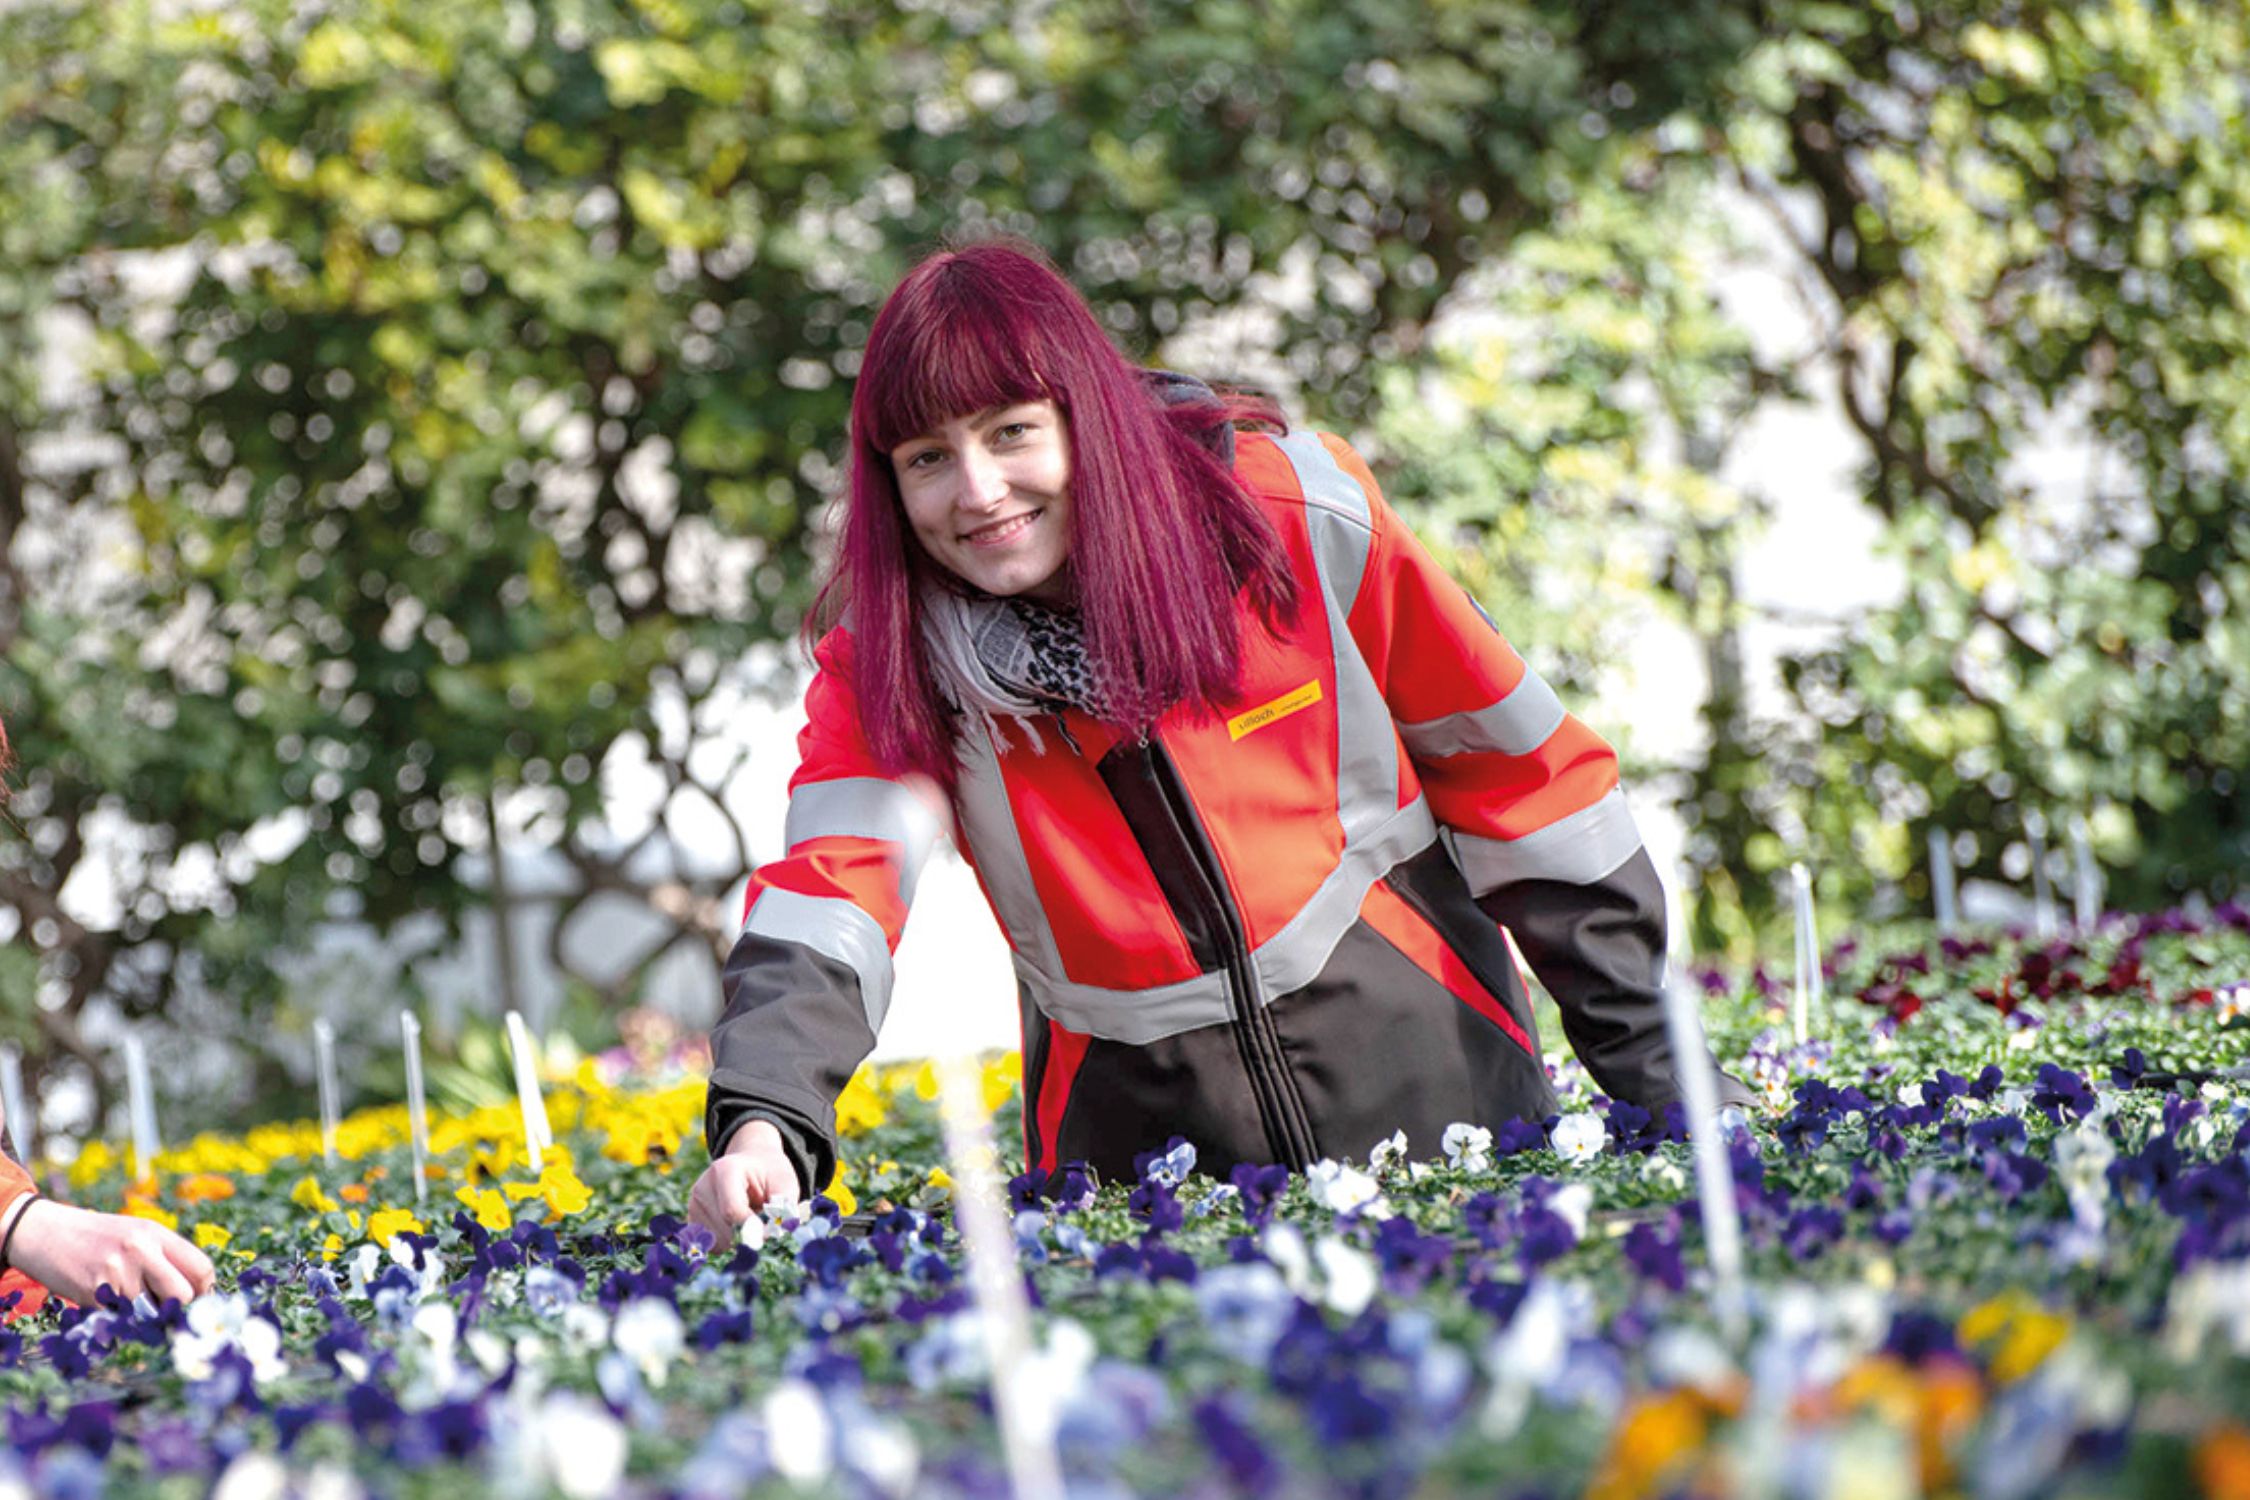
(752, 1172)
(73, 1251)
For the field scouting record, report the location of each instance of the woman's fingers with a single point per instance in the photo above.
(718, 1201)
(773, 1180)
(161, 1279)
(192, 1264)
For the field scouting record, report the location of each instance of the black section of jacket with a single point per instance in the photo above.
(1373, 1045)
(1599, 950)
(785, 1062)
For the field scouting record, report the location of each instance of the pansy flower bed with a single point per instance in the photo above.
(1996, 1223)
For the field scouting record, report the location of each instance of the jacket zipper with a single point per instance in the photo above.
(1281, 1109)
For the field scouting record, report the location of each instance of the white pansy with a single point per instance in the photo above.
(488, 1349)
(1468, 1148)
(1529, 1354)
(800, 1438)
(439, 1326)
(1911, 1096)
(360, 1266)
(1579, 1138)
(329, 1481)
(2082, 1157)
(750, 1234)
(1048, 1378)
(252, 1476)
(1284, 1245)
(648, 1332)
(2211, 1300)
(1664, 1173)
(429, 1275)
(584, 1328)
(1342, 1189)
(582, 1446)
(1348, 1276)
(1388, 1153)
(1685, 1355)
(1572, 1203)
(881, 1450)
(217, 1322)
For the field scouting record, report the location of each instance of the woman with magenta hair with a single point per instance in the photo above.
(1251, 784)
(74, 1251)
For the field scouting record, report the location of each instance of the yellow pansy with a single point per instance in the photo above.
(387, 1224)
(1002, 1077)
(2023, 1332)
(859, 1108)
(490, 1207)
(842, 1196)
(926, 1082)
(564, 1193)
(332, 1247)
(211, 1237)
(149, 1209)
(307, 1194)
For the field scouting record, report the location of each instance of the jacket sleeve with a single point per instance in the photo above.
(809, 979)
(1530, 800)
(15, 1184)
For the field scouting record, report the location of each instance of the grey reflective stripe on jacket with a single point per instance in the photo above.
(866, 807)
(1586, 846)
(1518, 724)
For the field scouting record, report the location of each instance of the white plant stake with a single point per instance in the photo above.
(324, 1063)
(417, 1117)
(1941, 880)
(537, 1135)
(1714, 1174)
(11, 1102)
(1027, 1432)
(140, 1104)
(1812, 987)
(2042, 894)
(2086, 892)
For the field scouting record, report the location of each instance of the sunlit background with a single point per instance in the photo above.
(419, 427)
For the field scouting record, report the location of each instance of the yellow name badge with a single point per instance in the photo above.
(1281, 708)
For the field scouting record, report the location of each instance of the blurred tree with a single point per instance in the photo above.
(2030, 232)
(1565, 451)
(462, 385)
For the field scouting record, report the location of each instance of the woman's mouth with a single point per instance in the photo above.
(1000, 531)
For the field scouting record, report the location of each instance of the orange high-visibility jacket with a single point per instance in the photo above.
(1271, 929)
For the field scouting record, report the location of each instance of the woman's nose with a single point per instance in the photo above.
(984, 483)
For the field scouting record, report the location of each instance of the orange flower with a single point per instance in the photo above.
(2222, 1463)
(352, 1192)
(1652, 1448)
(203, 1187)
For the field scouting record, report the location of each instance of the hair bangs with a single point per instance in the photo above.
(962, 344)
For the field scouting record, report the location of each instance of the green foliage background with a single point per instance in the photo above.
(398, 404)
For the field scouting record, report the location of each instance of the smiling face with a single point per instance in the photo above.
(989, 496)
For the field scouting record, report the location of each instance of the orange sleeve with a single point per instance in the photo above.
(15, 1182)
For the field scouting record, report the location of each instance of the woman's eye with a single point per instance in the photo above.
(923, 459)
(1010, 431)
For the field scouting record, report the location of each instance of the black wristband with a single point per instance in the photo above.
(8, 1241)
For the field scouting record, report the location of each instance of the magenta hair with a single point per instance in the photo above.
(1164, 535)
